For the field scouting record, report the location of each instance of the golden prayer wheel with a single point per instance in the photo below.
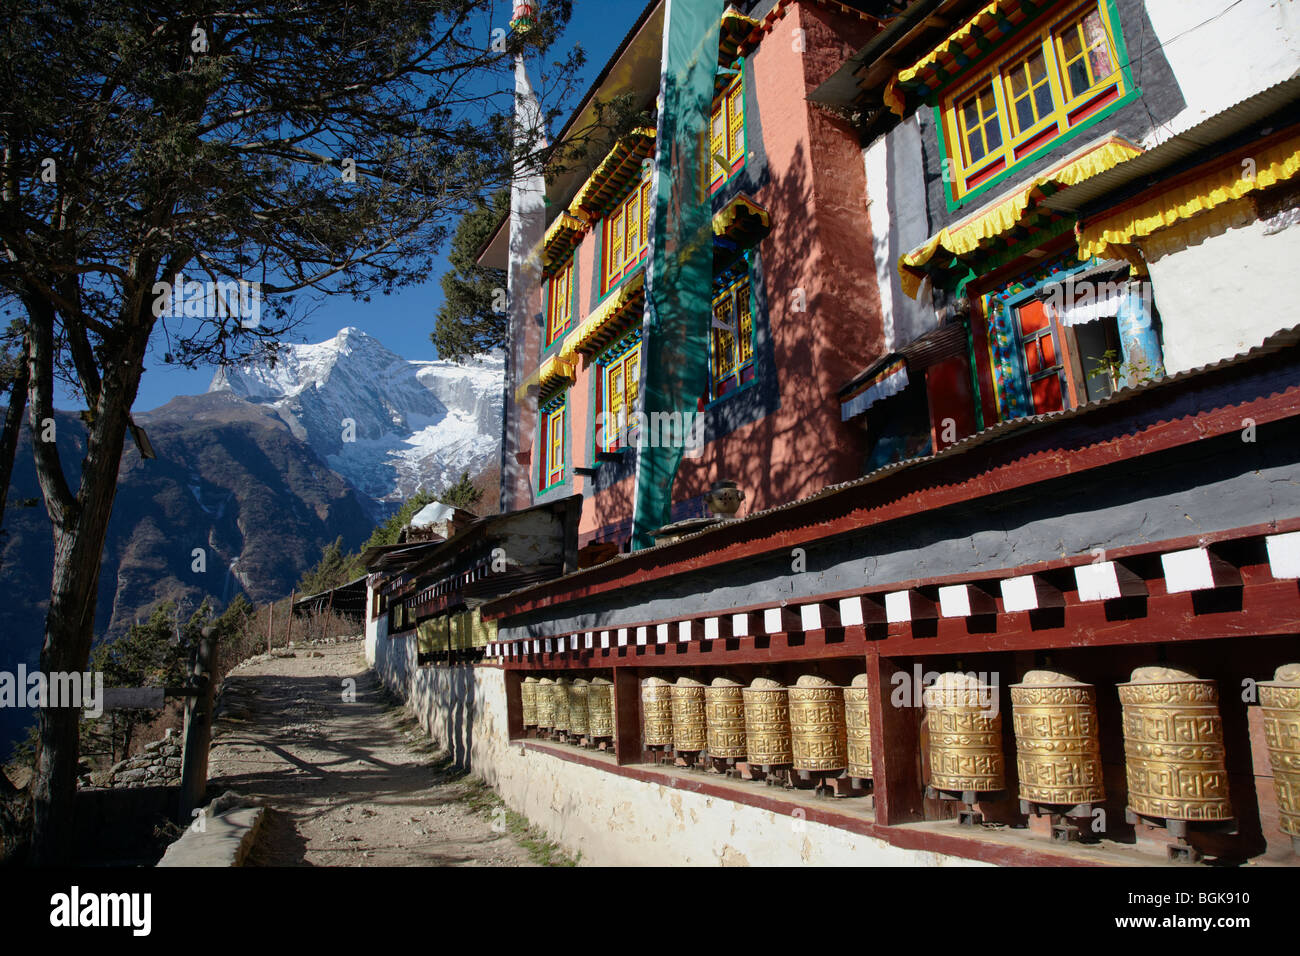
(965, 730)
(724, 713)
(1173, 746)
(600, 708)
(767, 723)
(857, 721)
(657, 707)
(528, 695)
(818, 736)
(1058, 743)
(545, 703)
(690, 731)
(561, 694)
(578, 708)
(1279, 699)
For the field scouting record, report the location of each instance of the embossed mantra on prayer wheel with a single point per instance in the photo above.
(724, 713)
(561, 695)
(689, 727)
(1058, 743)
(1173, 746)
(528, 696)
(578, 708)
(965, 735)
(600, 708)
(857, 721)
(818, 737)
(657, 708)
(767, 723)
(1279, 699)
(546, 703)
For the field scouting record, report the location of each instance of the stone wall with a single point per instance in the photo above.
(159, 765)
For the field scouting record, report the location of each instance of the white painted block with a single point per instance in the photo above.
(954, 600)
(811, 616)
(604, 639)
(1196, 569)
(740, 625)
(590, 640)
(710, 628)
(851, 611)
(1284, 555)
(772, 620)
(548, 646)
(683, 631)
(622, 637)
(641, 635)
(573, 642)
(1020, 594)
(898, 607)
(661, 633)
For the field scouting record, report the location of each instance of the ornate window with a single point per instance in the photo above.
(620, 384)
(1056, 79)
(559, 307)
(727, 134)
(731, 352)
(627, 232)
(553, 432)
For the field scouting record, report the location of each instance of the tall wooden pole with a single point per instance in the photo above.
(288, 625)
(270, 620)
(198, 729)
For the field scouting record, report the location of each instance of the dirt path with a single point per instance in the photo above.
(351, 784)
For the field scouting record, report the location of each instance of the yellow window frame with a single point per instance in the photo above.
(560, 303)
(726, 134)
(622, 388)
(1048, 39)
(553, 459)
(731, 344)
(625, 247)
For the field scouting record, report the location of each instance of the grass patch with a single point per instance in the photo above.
(479, 798)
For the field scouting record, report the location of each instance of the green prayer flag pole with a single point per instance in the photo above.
(675, 367)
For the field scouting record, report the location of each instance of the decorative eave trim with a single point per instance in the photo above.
(608, 181)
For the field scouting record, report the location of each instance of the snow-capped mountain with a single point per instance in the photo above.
(386, 424)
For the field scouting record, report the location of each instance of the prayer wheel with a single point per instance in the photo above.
(545, 703)
(1058, 743)
(600, 708)
(857, 721)
(690, 732)
(965, 730)
(578, 708)
(818, 736)
(657, 708)
(1279, 699)
(528, 696)
(767, 723)
(1173, 746)
(724, 713)
(561, 694)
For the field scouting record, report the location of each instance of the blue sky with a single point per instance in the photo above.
(403, 321)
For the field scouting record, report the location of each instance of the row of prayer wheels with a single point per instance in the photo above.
(1175, 758)
(579, 708)
(813, 725)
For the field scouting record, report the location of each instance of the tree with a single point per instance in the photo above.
(464, 494)
(333, 568)
(473, 315)
(266, 149)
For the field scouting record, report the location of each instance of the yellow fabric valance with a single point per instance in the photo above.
(967, 235)
(985, 19)
(742, 220)
(562, 238)
(555, 369)
(615, 172)
(1185, 202)
(590, 333)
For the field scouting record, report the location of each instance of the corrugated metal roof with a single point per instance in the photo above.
(1184, 146)
(1277, 342)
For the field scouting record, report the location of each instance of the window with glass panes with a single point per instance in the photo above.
(620, 388)
(1054, 80)
(727, 134)
(627, 232)
(552, 422)
(559, 305)
(731, 352)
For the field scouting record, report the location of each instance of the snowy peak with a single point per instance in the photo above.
(387, 424)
